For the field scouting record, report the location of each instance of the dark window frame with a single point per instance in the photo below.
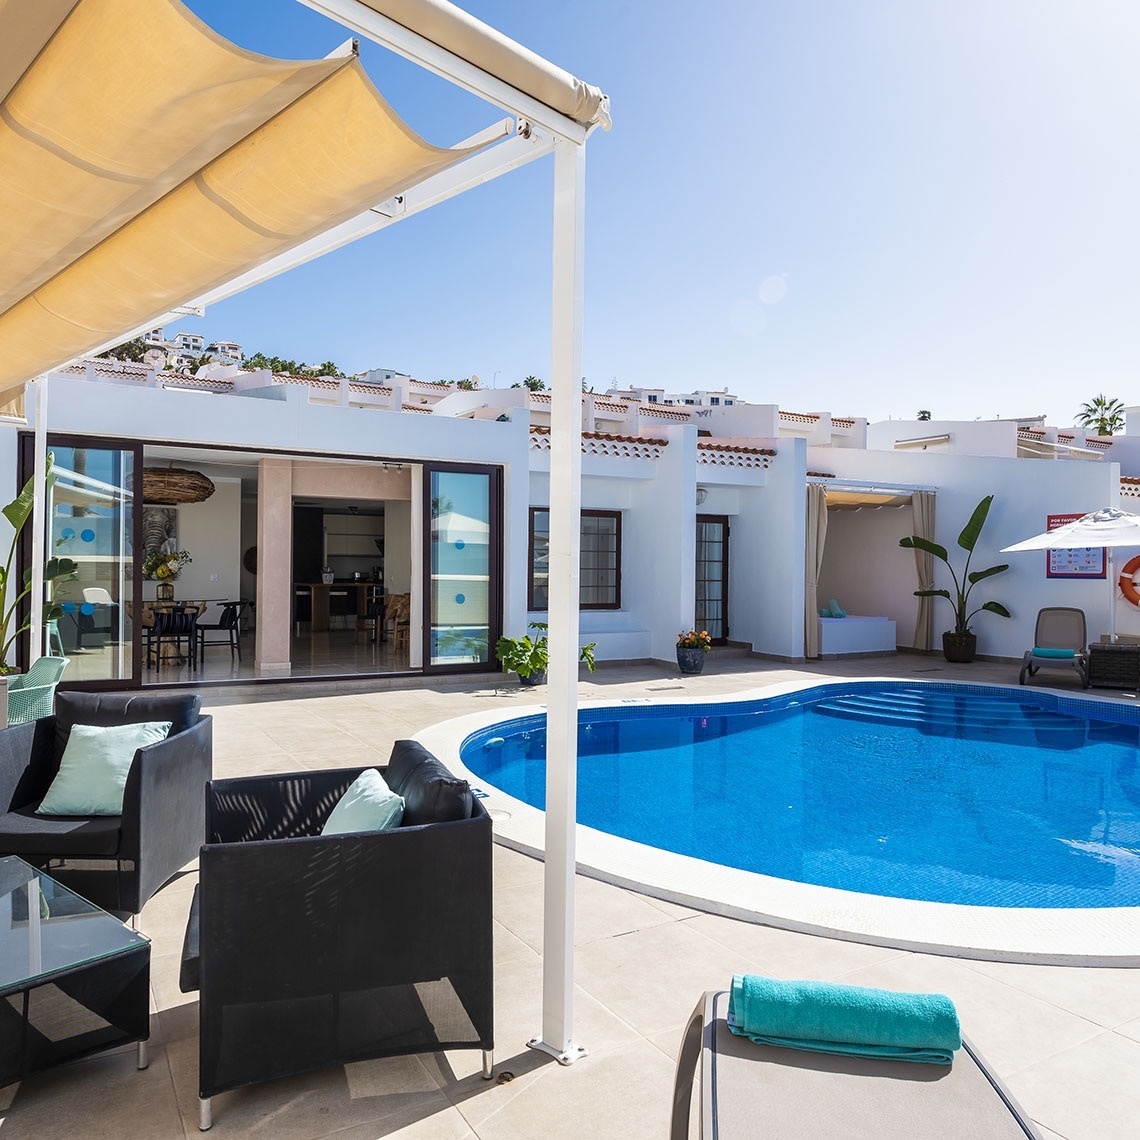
(585, 513)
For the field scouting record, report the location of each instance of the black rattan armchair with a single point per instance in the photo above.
(117, 862)
(311, 950)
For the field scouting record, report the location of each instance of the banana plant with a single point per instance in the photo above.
(963, 587)
(13, 590)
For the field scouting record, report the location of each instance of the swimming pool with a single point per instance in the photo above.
(971, 795)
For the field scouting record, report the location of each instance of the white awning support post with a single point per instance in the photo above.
(562, 693)
(39, 524)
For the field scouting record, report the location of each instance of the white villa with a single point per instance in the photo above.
(695, 512)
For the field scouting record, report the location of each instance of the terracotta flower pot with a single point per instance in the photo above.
(959, 648)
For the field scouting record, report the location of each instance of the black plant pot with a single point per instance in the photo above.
(532, 679)
(959, 648)
(690, 660)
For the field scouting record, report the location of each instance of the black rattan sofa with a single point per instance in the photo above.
(116, 862)
(311, 950)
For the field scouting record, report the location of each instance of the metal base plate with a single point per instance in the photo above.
(565, 1056)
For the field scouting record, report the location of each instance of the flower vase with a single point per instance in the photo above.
(690, 659)
(164, 591)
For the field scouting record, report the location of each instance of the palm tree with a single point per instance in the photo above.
(533, 383)
(923, 415)
(1104, 416)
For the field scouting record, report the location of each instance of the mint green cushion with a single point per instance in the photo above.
(1054, 652)
(834, 610)
(367, 805)
(93, 771)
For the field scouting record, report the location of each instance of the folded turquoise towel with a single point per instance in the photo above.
(1039, 652)
(854, 1021)
(834, 610)
(824, 611)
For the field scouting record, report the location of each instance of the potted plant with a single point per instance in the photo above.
(691, 650)
(528, 657)
(961, 643)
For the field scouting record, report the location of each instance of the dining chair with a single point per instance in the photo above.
(172, 625)
(225, 631)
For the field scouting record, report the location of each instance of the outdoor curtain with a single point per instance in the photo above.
(145, 160)
(922, 508)
(813, 563)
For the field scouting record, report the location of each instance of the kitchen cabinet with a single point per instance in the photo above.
(354, 535)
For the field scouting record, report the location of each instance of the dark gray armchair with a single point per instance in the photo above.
(311, 950)
(117, 862)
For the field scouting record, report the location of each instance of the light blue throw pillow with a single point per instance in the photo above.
(94, 768)
(367, 805)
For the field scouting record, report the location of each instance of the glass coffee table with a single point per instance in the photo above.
(73, 979)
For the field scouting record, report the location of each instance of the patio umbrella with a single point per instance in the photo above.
(1109, 527)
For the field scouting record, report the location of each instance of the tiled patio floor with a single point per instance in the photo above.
(1066, 1040)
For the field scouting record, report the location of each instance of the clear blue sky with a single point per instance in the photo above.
(863, 206)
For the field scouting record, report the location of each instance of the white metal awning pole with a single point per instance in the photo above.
(36, 595)
(562, 693)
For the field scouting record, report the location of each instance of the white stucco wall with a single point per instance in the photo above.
(766, 556)
(967, 437)
(1026, 491)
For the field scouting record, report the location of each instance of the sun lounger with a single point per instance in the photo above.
(750, 1090)
(1059, 640)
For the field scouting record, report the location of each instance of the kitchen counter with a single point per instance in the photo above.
(335, 599)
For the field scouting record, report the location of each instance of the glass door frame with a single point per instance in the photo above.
(26, 469)
(495, 566)
(723, 522)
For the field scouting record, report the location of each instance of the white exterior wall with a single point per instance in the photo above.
(1026, 491)
(967, 437)
(766, 555)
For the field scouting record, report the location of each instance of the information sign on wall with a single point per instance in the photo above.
(1081, 562)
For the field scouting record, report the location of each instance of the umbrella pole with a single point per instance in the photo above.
(1111, 599)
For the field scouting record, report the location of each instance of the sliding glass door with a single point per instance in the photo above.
(90, 519)
(462, 565)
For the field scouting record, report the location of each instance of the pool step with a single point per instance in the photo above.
(944, 713)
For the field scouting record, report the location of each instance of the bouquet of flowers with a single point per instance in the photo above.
(694, 640)
(159, 567)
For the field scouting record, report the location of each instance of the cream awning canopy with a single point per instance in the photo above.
(145, 160)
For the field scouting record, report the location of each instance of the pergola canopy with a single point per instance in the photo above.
(488, 49)
(130, 190)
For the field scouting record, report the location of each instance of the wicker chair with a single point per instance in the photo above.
(310, 950)
(116, 862)
(31, 695)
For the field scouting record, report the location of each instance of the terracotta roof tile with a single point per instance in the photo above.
(800, 417)
(704, 445)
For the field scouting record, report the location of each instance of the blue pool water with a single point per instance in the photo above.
(947, 793)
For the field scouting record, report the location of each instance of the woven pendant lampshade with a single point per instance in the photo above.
(174, 486)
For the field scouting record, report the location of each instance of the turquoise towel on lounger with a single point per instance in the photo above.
(853, 1021)
(1061, 653)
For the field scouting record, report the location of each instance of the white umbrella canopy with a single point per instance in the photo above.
(1109, 527)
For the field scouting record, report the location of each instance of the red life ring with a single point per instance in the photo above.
(1127, 586)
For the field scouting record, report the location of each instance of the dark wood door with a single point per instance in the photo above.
(712, 576)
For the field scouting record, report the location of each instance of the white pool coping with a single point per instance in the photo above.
(1095, 936)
